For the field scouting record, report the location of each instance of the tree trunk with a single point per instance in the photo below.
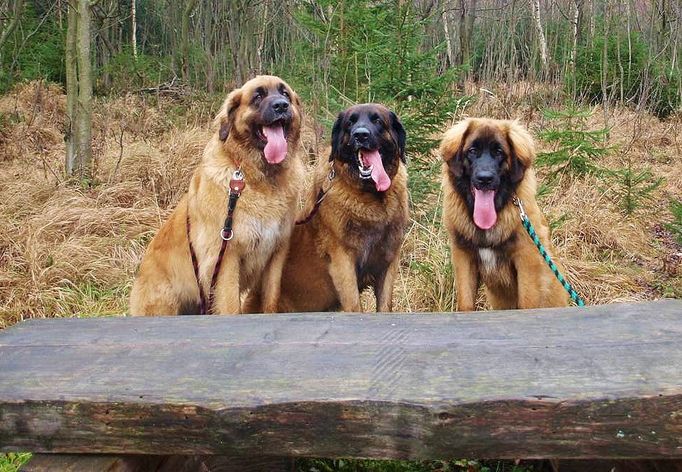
(676, 41)
(467, 15)
(446, 31)
(470, 26)
(186, 14)
(463, 33)
(7, 32)
(535, 9)
(84, 115)
(577, 20)
(71, 90)
(261, 37)
(133, 26)
(605, 67)
(593, 16)
(512, 61)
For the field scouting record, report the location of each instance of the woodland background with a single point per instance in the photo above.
(105, 107)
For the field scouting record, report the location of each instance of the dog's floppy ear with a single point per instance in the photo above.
(522, 151)
(337, 135)
(225, 118)
(451, 146)
(295, 99)
(399, 135)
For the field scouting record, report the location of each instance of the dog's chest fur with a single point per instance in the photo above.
(495, 267)
(491, 253)
(259, 238)
(376, 246)
(262, 220)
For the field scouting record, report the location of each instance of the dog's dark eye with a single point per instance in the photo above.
(376, 119)
(472, 153)
(258, 95)
(498, 153)
(284, 92)
(353, 119)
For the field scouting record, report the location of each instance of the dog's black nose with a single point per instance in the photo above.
(280, 105)
(484, 177)
(360, 134)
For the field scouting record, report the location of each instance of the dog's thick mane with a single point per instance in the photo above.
(522, 149)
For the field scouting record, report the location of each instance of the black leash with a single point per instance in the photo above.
(237, 185)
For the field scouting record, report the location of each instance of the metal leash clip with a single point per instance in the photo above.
(238, 174)
(517, 202)
(237, 183)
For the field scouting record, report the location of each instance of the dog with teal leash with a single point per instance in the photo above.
(487, 173)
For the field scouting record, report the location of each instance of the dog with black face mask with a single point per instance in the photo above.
(349, 235)
(486, 164)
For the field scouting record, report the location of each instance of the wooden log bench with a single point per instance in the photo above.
(256, 390)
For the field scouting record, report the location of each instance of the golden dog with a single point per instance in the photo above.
(354, 240)
(257, 131)
(486, 164)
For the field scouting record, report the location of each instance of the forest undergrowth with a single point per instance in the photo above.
(72, 250)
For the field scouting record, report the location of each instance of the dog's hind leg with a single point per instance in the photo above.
(226, 295)
(502, 298)
(466, 277)
(253, 302)
(383, 287)
(345, 279)
(529, 288)
(154, 298)
(272, 279)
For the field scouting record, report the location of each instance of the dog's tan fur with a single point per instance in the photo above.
(263, 219)
(351, 243)
(503, 257)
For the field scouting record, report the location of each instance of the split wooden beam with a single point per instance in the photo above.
(595, 382)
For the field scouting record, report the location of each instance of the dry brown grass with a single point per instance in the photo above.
(67, 251)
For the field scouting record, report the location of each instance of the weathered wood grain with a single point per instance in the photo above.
(602, 381)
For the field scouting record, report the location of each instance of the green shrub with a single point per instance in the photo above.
(675, 227)
(633, 188)
(12, 461)
(631, 75)
(372, 52)
(126, 73)
(576, 149)
(37, 54)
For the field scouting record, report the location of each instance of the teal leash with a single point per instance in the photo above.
(534, 236)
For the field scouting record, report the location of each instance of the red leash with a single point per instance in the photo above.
(320, 196)
(237, 185)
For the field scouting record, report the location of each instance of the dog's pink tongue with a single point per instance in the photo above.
(381, 179)
(484, 208)
(276, 149)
